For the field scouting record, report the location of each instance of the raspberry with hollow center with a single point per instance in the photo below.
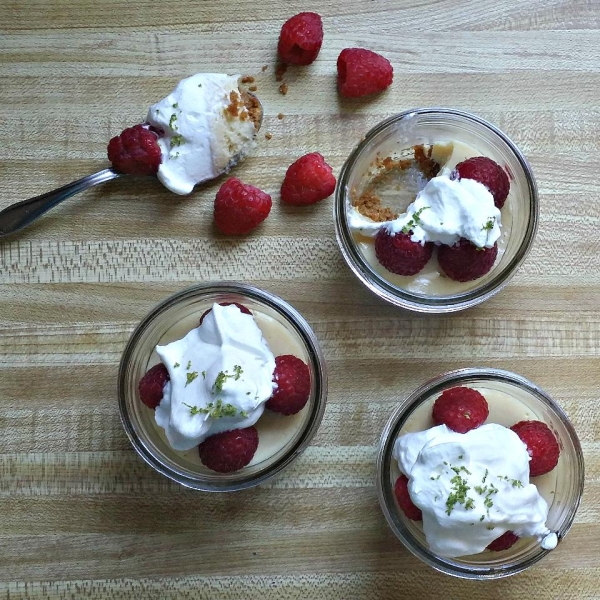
(362, 72)
(151, 385)
(230, 450)
(542, 446)
(489, 173)
(292, 377)
(461, 409)
(301, 38)
(307, 181)
(465, 262)
(399, 254)
(135, 151)
(240, 207)
(405, 501)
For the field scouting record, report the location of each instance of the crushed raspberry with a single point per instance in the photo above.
(151, 385)
(461, 409)
(300, 39)
(504, 542)
(399, 254)
(405, 501)
(489, 173)
(135, 151)
(292, 377)
(362, 72)
(230, 450)
(240, 207)
(465, 262)
(542, 446)
(242, 308)
(307, 181)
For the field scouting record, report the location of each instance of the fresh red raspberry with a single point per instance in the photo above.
(242, 308)
(151, 385)
(488, 172)
(362, 72)
(239, 207)
(504, 542)
(405, 501)
(461, 409)
(399, 254)
(292, 377)
(230, 450)
(300, 39)
(135, 151)
(465, 262)
(542, 446)
(307, 181)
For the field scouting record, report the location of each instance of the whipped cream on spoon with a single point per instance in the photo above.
(20, 214)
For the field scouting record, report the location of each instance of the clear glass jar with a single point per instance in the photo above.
(286, 437)
(425, 126)
(563, 485)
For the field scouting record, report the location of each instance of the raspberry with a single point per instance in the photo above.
(239, 207)
(488, 172)
(504, 542)
(292, 377)
(465, 262)
(461, 409)
(135, 151)
(230, 450)
(307, 181)
(399, 254)
(542, 446)
(404, 500)
(300, 39)
(362, 72)
(242, 308)
(151, 385)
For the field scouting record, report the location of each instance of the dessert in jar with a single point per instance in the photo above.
(480, 473)
(471, 476)
(435, 210)
(231, 392)
(433, 218)
(222, 386)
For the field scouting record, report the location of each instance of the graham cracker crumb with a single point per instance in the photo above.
(268, 136)
(252, 88)
(280, 71)
(235, 104)
(283, 89)
(369, 205)
(426, 164)
(264, 68)
(280, 116)
(253, 109)
(248, 79)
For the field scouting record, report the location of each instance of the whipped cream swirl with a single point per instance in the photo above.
(444, 211)
(472, 487)
(221, 376)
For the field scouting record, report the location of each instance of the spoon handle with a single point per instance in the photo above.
(19, 215)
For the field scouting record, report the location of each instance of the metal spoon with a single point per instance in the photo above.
(20, 214)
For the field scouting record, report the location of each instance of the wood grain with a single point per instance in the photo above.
(80, 515)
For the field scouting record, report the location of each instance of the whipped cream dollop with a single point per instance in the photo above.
(444, 211)
(204, 125)
(221, 376)
(472, 487)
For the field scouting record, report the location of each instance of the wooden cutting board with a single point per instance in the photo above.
(81, 516)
